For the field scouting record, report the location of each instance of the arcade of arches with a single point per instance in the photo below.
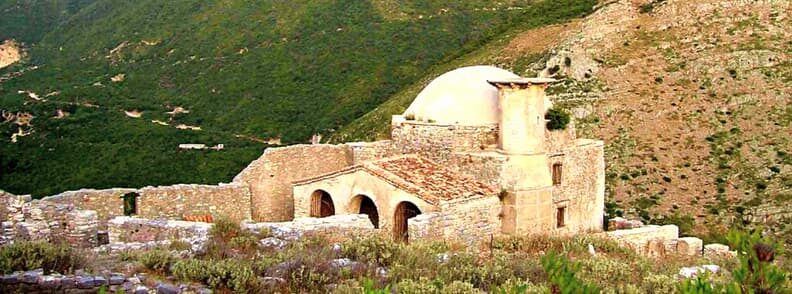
(322, 205)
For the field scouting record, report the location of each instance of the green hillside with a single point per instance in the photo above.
(29, 20)
(246, 72)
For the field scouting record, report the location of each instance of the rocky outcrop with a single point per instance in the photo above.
(10, 53)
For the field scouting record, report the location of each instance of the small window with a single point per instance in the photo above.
(557, 174)
(560, 217)
(130, 203)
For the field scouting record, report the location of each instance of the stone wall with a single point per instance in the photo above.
(349, 225)
(107, 203)
(437, 142)
(270, 176)
(638, 239)
(582, 189)
(469, 221)
(558, 140)
(485, 167)
(124, 229)
(368, 151)
(173, 202)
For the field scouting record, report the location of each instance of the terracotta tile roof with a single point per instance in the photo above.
(424, 178)
(428, 180)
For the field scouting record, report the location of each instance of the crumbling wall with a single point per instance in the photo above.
(638, 239)
(438, 142)
(582, 188)
(124, 229)
(174, 202)
(107, 203)
(270, 176)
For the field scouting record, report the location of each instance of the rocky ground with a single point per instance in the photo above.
(691, 98)
(10, 53)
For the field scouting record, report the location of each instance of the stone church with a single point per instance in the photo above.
(471, 157)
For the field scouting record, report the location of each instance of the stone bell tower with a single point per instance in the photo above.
(526, 178)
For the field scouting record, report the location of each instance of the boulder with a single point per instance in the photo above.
(716, 250)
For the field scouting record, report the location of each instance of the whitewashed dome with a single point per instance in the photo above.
(461, 96)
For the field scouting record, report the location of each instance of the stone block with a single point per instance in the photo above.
(690, 246)
(716, 250)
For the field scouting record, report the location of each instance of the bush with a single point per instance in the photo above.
(561, 273)
(374, 249)
(228, 274)
(157, 260)
(558, 119)
(23, 256)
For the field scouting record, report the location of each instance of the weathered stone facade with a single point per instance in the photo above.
(125, 229)
(174, 202)
(270, 176)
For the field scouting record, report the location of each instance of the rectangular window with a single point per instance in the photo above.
(560, 217)
(557, 174)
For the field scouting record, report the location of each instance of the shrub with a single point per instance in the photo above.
(224, 229)
(228, 274)
(561, 273)
(179, 245)
(157, 260)
(558, 119)
(659, 284)
(23, 256)
(374, 249)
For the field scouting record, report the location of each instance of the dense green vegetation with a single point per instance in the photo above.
(260, 70)
(29, 20)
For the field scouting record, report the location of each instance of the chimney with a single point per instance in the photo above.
(521, 103)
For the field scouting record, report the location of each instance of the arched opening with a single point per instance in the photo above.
(362, 204)
(404, 211)
(321, 204)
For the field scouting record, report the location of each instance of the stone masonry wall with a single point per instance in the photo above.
(438, 142)
(349, 225)
(270, 176)
(173, 202)
(368, 151)
(556, 141)
(582, 187)
(107, 203)
(124, 229)
(485, 167)
(471, 220)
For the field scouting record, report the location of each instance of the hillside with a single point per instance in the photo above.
(691, 98)
(117, 86)
(29, 20)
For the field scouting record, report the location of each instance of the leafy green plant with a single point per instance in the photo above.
(757, 273)
(373, 249)
(23, 256)
(231, 274)
(558, 119)
(561, 273)
(157, 260)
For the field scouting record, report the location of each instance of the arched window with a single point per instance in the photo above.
(404, 211)
(321, 204)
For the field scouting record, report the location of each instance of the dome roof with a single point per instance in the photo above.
(461, 96)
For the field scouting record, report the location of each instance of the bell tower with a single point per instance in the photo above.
(526, 177)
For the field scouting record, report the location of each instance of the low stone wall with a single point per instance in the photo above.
(124, 229)
(347, 225)
(48, 221)
(37, 282)
(638, 238)
(173, 202)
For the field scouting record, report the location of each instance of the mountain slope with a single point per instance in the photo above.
(29, 20)
(691, 98)
(247, 73)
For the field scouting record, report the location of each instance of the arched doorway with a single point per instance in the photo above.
(404, 211)
(362, 204)
(321, 204)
